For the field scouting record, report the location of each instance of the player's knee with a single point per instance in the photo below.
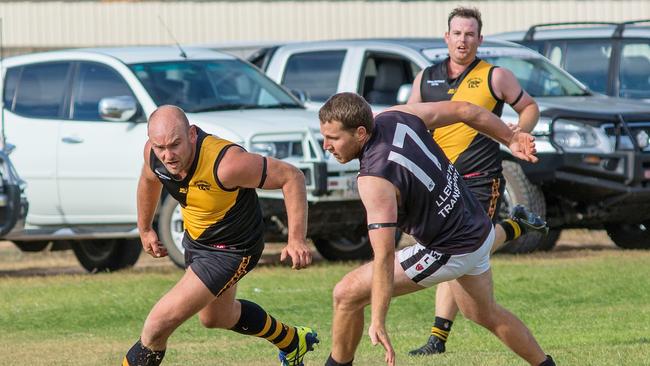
(157, 329)
(348, 294)
(487, 318)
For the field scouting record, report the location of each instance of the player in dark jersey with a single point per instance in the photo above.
(465, 77)
(214, 180)
(405, 181)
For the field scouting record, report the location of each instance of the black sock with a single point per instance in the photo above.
(330, 362)
(512, 229)
(441, 328)
(140, 355)
(256, 322)
(548, 361)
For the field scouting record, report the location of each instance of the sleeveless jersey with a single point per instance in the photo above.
(434, 205)
(215, 217)
(469, 150)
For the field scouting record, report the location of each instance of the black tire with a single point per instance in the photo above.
(630, 236)
(519, 190)
(352, 247)
(170, 230)
(107, 255)
(31, 246)
(548, 243)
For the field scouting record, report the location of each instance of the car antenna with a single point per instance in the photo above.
(183, 54)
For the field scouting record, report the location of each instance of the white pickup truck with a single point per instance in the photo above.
(594, 169)
(78, 121)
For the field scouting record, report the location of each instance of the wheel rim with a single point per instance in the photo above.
(99, 250)
(176, 228)
(507, 204)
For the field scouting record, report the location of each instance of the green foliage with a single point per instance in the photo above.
(590, 310)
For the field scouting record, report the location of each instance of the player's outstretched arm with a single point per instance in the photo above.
(441, 114)
(239, 168)
(148, 194)
(379, 198)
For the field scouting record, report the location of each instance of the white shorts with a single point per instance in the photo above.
(426, 267)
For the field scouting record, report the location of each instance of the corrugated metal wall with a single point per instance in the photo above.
(71, 24)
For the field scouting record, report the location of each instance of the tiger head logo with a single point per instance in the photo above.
(474, 82)
(203, 185)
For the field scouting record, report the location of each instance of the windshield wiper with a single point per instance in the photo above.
(582, 94)
(280, 105)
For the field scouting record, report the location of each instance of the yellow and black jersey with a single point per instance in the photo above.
(214, 216)
(472, 153)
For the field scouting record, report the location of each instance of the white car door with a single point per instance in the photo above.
(99, 161)
(34, 100)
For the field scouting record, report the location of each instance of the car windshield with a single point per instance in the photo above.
(211, 85)
(537, 76)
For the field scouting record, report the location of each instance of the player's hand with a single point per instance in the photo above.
(151, 245)
(299, 253)
(379, 335)
(522, 146)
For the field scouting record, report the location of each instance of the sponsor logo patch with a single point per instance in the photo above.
(435, 82)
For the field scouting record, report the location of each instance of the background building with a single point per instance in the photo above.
(33, 25)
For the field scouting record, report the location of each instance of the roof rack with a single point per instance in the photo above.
(618, 31)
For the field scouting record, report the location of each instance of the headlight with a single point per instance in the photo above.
(278, 149)
(542, 128)
(575, 136)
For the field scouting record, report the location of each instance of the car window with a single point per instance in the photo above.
(94, 82)
(315, 73)
(589, 63)
(198, 86)
(534, 45)
(41, 90)
(539, 77)
(11, 81)
(383, 75)
(634, 74)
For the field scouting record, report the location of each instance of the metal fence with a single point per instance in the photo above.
(45, 24)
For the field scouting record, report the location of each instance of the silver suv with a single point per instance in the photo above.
(78, 120)
(610, 58)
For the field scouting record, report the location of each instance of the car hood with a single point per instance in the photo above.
(241, 125)
(593, 105)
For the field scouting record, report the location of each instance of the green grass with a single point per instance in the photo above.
(588, 310)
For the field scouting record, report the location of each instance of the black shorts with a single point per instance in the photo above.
(489, 192)
(220, 270)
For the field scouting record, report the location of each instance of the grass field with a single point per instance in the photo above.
(585, 307)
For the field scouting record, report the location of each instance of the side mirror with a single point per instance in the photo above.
(300, 94)
(118, 109)
(403, 93)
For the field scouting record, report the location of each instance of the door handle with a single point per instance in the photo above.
(72, 140)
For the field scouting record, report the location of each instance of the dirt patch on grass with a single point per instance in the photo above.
(13, 262)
